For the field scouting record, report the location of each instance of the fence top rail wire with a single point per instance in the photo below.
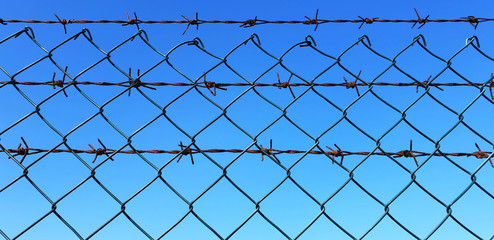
(474, 21)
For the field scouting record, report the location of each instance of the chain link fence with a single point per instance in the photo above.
(342, 174)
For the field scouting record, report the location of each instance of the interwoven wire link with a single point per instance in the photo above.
(334, 155)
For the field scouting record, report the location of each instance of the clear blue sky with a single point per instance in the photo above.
(157, 208)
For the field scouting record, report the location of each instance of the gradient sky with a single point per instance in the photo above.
(157, 208)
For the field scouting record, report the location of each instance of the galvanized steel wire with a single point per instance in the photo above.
(335, 155)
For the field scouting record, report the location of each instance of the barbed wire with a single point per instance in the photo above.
(187, 150)
(474, 21)
(101, 154)
(213, 86)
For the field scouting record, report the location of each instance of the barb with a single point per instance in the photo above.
(223, 86)
(426, 83)
(212, 85)
(64, 22)
(22, 151)
(481, 154)
(136, 82)
(269, 151)
(133, 21)
(192, 22)
(353, 84)
(367, 21)
(184, 151)
(249, 23)
(474, 21)
(407, 154)
(285, 84)
(60, 83)
(99, 151)
(311, 21)
(421, 21)
(336, 153)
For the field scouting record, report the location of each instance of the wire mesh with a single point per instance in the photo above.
(208, 90)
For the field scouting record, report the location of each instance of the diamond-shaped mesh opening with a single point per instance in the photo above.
(122, 227)
(160, 201)
(211, 144)
(78, 54)
(189, 180)
(50, 227)
(352, 201)
(451, 229)
(293, 213)
(223, 207)
(382, 177)
(413, 204)
(123, 56)
(307, 63)
(463, 211)
(95, 207)
(262, 64)
(266, 172)
(14, 59)
(55, 183)
(21, 205)
(324, 227)
(125, 175)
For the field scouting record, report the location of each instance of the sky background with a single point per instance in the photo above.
(157, 208)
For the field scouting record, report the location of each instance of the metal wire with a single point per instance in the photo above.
(474, 21)
(19, 154)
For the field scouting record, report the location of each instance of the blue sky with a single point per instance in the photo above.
(157, 208)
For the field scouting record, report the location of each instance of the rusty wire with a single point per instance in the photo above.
(101, 154)
(474, 21)
(212, 86)
(187, 150)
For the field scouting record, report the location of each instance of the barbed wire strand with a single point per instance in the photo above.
(474, 21)
(212, 86)
(187, 150)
